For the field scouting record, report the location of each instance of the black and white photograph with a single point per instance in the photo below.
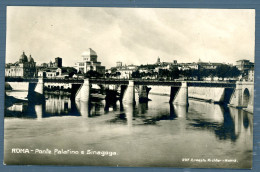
(129, 87)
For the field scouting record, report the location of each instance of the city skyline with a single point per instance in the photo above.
(52, 60)
(132, 36)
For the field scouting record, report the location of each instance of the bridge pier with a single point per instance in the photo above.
(250, 107)
(39, 87)
(39, 111)
(249, 101)
(36, 91)
(243, 96)
(236, 98)
(129, 96)
(143, 93)
(122, 92)
(179, 95)
(84, 91)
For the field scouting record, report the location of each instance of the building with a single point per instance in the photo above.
(44, 64)
(198, 65)
(244, 65)
(55, 70)
(251, 73)
(122, 71)
(188, 66)
(158, 61)
(119, 64)
(58, 62)
(89, 62)
(126, 71)
(25, 67)
(164, 67)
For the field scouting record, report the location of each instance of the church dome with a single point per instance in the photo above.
(89, 52)
(23, 58)
(31, 59)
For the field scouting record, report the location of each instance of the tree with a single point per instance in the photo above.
(174, 72)
(234, 72)
(118, 74)
(136, 74)
(113, 70)
(224, 71)
(107, 75)
(93, 74)
(186, 73)
(164, 73)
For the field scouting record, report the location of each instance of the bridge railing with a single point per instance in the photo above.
(21, 79)
(64, 80)
(109, 81)
(125, 81)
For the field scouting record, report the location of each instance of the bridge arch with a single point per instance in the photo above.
(246, 97)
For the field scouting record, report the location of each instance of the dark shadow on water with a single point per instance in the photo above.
(245, 121)
(223, 131)
(141, 113)
(108, 105)
(119, 119)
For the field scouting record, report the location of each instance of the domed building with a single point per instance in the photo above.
(31, 59)
(25, 67)
(89, 62)
(23, 58)
(89, 55)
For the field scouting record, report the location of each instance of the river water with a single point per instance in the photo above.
(154, 134)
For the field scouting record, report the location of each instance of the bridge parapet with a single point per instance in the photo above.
(211, 84)
(125, 82)
(63, 80)
(156, 82)
(109, 81)
(20, 79)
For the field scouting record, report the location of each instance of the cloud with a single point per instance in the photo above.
(130, 35)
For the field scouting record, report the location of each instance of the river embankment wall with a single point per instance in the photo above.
(203, 93)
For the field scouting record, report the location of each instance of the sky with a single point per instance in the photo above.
(130, 35)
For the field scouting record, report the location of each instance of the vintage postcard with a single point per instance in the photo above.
(129, 87)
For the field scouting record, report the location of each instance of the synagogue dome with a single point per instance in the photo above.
(89, 52)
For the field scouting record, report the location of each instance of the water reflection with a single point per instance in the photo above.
(89, 109)
(52, 106)
(225, 123)
(58, 104)
(179, 111)
(153, 128)
(129, 115)
(243, 121)
(84, 108)
(39, 111)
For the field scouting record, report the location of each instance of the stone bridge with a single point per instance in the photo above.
(239, 94)
(243, 96)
